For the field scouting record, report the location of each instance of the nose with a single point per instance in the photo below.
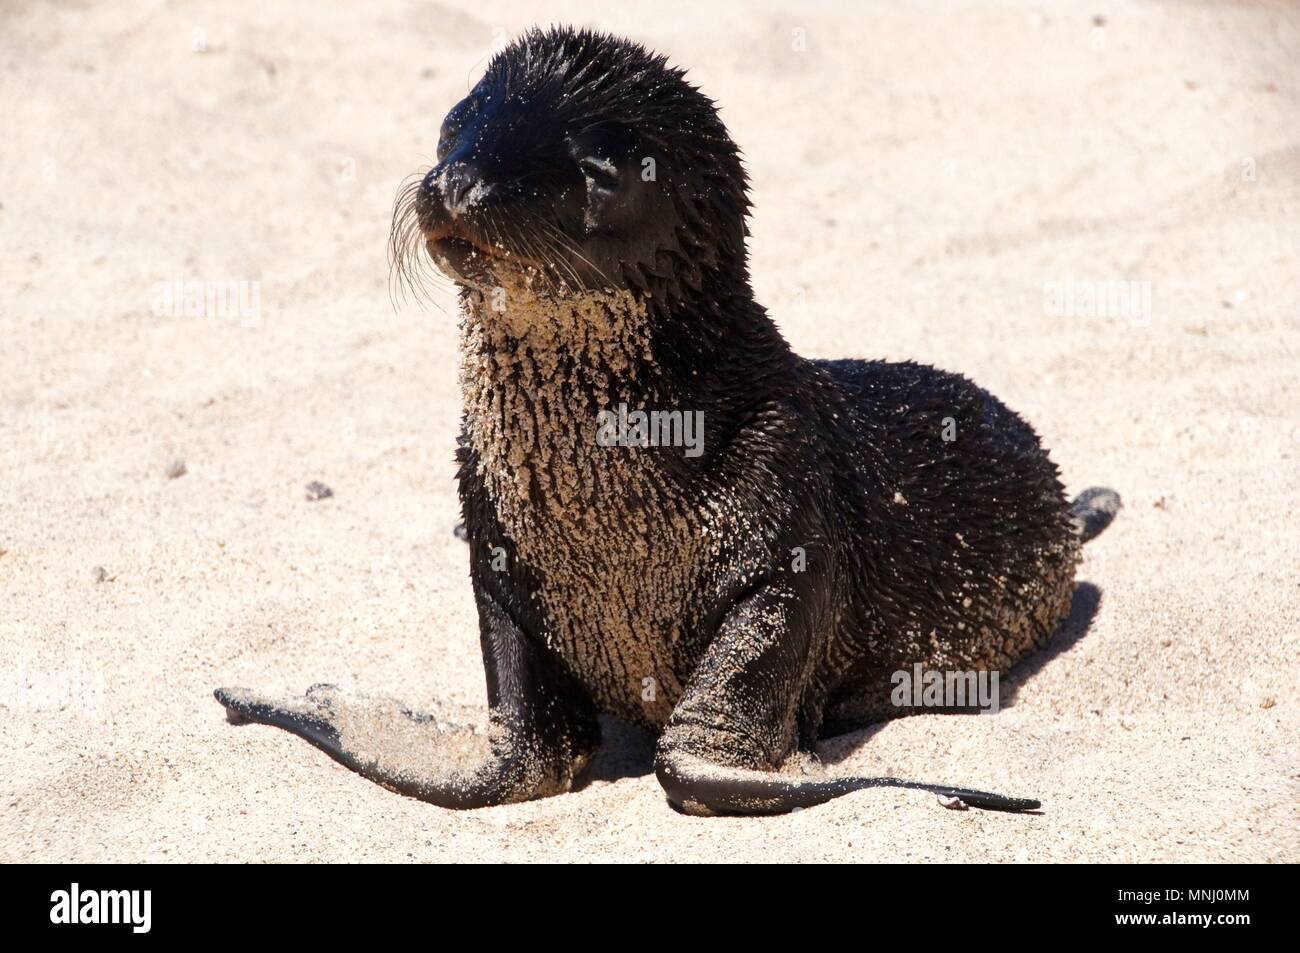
(459, 184)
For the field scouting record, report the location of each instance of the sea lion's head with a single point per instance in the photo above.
(588, 160)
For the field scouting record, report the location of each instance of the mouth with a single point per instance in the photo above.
(470, 262)
(459, 257)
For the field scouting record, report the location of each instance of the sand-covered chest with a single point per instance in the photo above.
(617, 547)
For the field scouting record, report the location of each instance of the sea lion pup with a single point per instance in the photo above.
(827, 523)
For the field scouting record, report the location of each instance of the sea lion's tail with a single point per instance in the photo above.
(1093, 509)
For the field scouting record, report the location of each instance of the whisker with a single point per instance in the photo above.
(408, 273)
(541, 252)
(554, 264)
(568, 245)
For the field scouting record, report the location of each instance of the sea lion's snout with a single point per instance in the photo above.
(448, 195)
(455, 186)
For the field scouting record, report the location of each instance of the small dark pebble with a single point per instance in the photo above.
(176, 469)
(318, 491)
(460, 532)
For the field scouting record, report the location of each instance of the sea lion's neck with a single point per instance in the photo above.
(594, 338)
(537, 370)
(541, 370)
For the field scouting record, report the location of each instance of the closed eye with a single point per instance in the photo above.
(600, 172)
(447, 137)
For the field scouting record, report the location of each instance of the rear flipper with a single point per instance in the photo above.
(1093, 510)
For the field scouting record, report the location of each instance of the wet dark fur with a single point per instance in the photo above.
(934, 526)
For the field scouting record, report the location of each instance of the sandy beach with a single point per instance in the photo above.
(1091, 210)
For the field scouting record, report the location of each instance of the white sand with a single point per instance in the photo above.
(921, 173)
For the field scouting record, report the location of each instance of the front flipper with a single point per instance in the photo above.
(736, 723)
(405, 751)
(698, 786)
(541, 731)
